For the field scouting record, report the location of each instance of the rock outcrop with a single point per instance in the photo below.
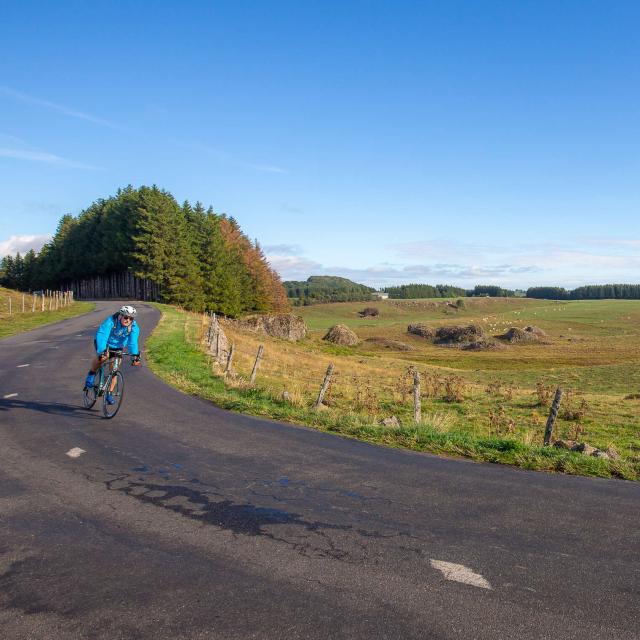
(516, 335)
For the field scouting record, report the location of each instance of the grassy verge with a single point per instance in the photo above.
(19, 322)
(175, 358)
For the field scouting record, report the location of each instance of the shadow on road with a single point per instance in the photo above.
(51, 408)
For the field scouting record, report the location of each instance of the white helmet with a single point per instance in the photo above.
(128, 310)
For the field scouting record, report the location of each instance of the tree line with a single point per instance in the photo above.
(588, 292)
(318, 289)
(406, 291)
(200, 260)
(447, 291)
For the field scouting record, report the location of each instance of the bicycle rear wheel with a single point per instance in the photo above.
(117, 392)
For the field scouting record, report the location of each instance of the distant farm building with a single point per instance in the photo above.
(379, 295)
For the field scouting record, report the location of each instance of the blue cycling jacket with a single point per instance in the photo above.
(113, 335)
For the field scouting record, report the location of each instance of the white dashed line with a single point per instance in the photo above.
(460, 573)
(10, 395)
(76, 452)
(22, 365)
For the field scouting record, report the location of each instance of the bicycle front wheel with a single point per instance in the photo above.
(115, 383)
(89, 396)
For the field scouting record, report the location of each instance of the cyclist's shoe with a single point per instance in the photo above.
(110, 399)
(89, 382)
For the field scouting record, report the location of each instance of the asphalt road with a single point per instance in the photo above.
(183, 521)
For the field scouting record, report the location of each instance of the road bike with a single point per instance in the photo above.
(109, 380)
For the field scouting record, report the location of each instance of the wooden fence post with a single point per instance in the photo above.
(256, 363)
(33, 306)
(9, 305)
(23, 303)
(211, 329)
(227, 368)
(324, 387)
(417, 407)
(553, 414)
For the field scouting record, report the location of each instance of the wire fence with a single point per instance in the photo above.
(40, 301)
(305, 376)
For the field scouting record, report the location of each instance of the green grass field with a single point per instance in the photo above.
(19, 321)
(591, 351)
(593, 346)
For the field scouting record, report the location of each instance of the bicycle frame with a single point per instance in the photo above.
(113, 362)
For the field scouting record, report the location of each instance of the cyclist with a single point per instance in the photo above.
(116, 332)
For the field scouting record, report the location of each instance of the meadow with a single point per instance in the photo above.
(488, 405)
(14, 320)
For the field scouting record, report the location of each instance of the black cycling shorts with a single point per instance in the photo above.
(112, 352)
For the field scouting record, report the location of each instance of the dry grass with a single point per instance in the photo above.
(18, 320)
(510, 400)
(503, 425)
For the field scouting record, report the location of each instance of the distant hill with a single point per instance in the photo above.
(319, 289)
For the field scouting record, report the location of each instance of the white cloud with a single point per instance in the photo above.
(293, 267)
(519, 266)
(267, 168)
(283, 249)
(43, 156)
(22, 244)
(52, 106)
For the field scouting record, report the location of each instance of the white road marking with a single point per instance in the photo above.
(11, 395)
(460, 573)
(76, 452)
(22, 365)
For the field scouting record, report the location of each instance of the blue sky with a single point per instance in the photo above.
(390, 142)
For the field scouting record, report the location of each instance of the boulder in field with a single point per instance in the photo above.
(341, 335)
(369, 312)
(457, 335)
(516, 335)
(584, 448)
(569, 445)
(483, 344)
(422, 330)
